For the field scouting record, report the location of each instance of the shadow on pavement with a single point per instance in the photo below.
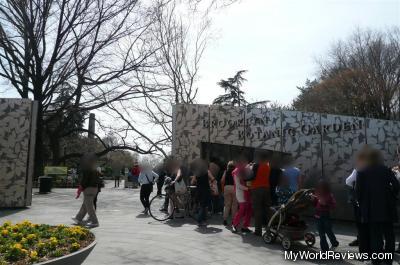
(255, 241)
(10, 211)
(208, 230)
(142, 215)
(177, 222)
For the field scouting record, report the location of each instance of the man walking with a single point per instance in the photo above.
(260, 192)
(89, 183)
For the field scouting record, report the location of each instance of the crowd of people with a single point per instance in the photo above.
(251, 189)
(240, 190)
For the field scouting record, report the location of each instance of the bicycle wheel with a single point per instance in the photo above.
(157, 210)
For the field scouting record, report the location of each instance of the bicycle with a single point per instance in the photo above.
(185, 202)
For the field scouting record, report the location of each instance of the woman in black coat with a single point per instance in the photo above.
(202, 178)
(376, 192)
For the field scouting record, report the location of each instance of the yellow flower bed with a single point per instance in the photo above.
(27, 243)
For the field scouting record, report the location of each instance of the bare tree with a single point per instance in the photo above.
(207, 5)
(360, 76)
(78, 56)
(173, 81)
(91, 44)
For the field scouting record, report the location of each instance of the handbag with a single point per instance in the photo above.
(180, 187)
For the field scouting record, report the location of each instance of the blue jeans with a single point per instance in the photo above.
(324, 226)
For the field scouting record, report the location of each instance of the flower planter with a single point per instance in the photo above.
(27, 243)
(75, 258)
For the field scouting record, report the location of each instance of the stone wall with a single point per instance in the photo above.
(323, 145)
(17, 120)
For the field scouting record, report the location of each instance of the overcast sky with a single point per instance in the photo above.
(277, 41)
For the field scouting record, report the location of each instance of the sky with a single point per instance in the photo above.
(279, 41)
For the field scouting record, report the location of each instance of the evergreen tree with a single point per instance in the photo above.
(233, 96)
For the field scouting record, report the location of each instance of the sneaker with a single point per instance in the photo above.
(92, 225)
(234, 229)
(335, 244)
(225, 223)
(353, 243)
(246, 230)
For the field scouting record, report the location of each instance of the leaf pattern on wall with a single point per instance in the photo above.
(322, 145)
(15, 135)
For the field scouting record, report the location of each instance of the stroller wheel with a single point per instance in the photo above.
(309, 238)
(286, 243)
(269, 237)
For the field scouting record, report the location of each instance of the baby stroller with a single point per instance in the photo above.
(285, 223)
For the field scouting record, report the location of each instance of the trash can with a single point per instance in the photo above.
(45, 184)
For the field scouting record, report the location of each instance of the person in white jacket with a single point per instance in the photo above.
(351, 182)
(351, 179)
(147, 178)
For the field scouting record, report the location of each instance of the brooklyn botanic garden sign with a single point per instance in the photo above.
(258, 128)
(322, 145)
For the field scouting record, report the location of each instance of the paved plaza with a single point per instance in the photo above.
(127, 237)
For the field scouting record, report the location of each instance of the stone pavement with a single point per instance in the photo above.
(127, 237)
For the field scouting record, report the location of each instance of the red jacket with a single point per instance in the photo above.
(324, 203)
(135, 171)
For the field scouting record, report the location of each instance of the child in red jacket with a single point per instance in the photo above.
(324, 202)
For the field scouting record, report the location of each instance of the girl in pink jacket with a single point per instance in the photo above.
(243, 197)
